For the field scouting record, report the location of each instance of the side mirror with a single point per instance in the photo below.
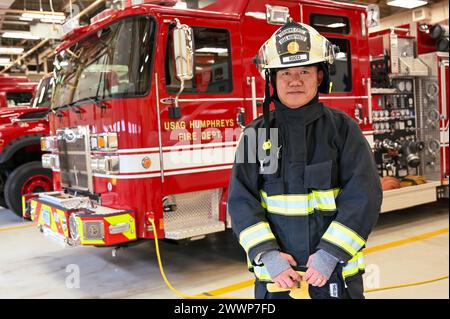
(183, 51)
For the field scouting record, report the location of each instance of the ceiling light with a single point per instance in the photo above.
(10, 50)
(212, 50)
(4, 61)
(58, 16)
(409, 4)
(19, 35)
(52, 21)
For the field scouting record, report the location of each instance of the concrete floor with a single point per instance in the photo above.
(32, 266)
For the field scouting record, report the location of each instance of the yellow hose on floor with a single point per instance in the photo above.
(169, 285)
(181, 294)
(408, 284)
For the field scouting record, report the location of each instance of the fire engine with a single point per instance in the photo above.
(15, 91)
(410, 108)
(150, 101)
(21, 129)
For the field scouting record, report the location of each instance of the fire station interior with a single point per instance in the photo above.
(70, 91)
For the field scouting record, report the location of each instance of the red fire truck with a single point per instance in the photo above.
(150, 101)
(410, 108)
(21, 129)
(15, 91)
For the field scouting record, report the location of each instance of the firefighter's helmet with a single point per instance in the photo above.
(294, 44)
(297, 44)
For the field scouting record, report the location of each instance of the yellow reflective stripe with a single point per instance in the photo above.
(290, 211)
(23, 206)
(62, 218)
(255, 234)
(127, 219)
(349, 232)
(300, 204)
(336, 192)
(300, 197)
(33, 205)
(344, 237)
(263, 204)
(340, 243)
(261, 273)
(257, 241)
(354, 265)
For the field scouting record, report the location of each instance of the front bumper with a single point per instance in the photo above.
(75, 221)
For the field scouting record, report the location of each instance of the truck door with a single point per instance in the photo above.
(444, 110)
(349, 73)
(198, 147)
(255, 31)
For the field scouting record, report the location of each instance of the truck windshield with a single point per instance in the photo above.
(114, 62)
(19, 98)
(43, 95)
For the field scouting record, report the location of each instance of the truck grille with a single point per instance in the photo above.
(74, 158)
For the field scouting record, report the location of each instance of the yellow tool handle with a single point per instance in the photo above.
(299, 291)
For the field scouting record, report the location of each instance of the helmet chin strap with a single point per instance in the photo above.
(266, 113)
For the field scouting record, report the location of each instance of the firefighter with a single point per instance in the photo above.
(304, 193)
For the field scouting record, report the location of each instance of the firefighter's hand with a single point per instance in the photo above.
(320, 267)
(288, 277)
(313, 276)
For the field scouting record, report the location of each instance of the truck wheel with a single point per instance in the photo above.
(28, 178)
(3, 177)
(2, 201)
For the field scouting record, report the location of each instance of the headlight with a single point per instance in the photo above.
(48, 143)
(73, 227)
(105, 164)
(50, 161)
(104, 142)
(93, 230)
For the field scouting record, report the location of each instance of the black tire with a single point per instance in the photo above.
(3, 177)
(3, 201)
(16, 180)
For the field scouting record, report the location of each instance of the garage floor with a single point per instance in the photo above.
(406, 246)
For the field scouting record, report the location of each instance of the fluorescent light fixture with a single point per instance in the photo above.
(25, 19)
(52, 21)
(19, 35)
(4, 61)
(10, 50)
(408, 4)
(58, 16)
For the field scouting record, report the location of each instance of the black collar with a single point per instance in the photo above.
(302, 115)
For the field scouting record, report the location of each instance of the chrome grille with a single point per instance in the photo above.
(74, 158)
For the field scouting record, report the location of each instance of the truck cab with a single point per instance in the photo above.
(21, 129)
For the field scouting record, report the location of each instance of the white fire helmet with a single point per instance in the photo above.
(296, 44)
